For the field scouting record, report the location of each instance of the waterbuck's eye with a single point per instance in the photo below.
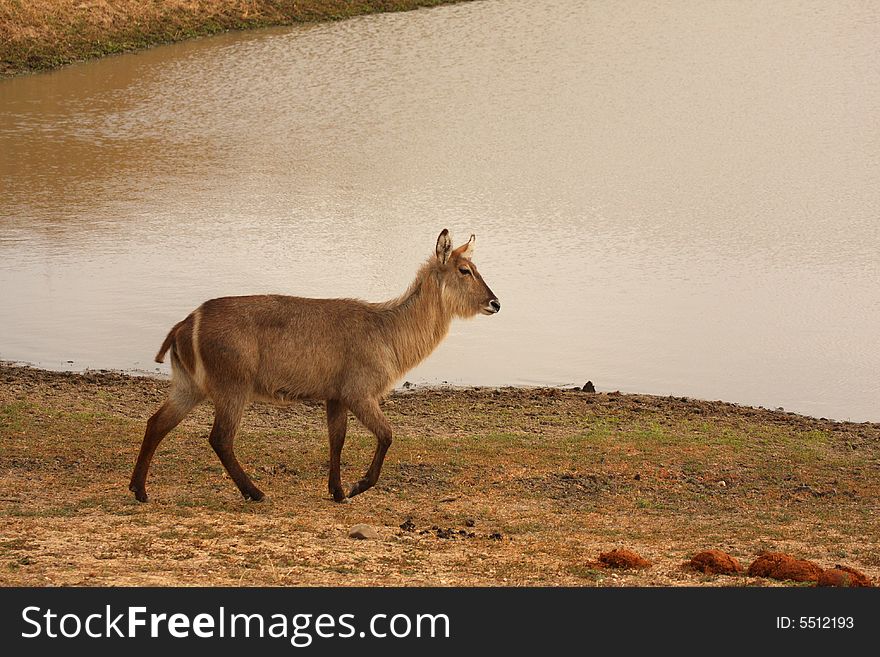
(464, 270)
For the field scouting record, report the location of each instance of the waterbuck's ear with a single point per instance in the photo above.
(444, 246)
(465, 250)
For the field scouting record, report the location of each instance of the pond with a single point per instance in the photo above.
(669, 198)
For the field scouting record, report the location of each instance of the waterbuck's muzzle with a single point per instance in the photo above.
(493, 307)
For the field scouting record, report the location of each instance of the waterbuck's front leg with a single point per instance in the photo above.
(371, 416)
(337, 422)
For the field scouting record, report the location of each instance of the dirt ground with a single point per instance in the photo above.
(481, 487)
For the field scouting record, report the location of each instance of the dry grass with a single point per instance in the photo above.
(560, 475)
(42, 34)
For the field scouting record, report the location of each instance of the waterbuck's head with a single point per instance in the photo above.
(465, 292)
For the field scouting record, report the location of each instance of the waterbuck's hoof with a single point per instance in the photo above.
(139, 493)
(339, 495)
(358, 488)
(256, 495)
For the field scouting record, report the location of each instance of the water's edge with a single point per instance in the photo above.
(408, 388)
(90, 37)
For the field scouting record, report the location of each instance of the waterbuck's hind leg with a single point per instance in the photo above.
(169, 415)
(369, 413)
(226, 420)
(337, 423)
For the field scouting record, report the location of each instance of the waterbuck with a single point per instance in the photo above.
(279, 349)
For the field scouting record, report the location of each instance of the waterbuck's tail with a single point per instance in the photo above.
(169, 340)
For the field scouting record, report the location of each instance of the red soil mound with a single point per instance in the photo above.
(715, 562)
(843, 576)
(623, 558)
(782, 566)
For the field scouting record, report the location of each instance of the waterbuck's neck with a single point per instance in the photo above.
(417, 321)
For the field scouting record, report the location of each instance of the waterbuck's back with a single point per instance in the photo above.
(280, 348)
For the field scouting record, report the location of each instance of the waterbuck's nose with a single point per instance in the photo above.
(496, 305)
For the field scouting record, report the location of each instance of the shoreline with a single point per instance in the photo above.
(43, 35)
(407, 387)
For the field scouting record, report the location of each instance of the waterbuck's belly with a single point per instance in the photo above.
(297, 382)
(284, 397)
(287, 392)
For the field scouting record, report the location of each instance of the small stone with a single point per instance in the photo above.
(495, 536)
(469, 522)
(589, 387)
(715, 562)
(363, 532)
(783, 566)
(408, 525)
(623, 558)
(843, 576)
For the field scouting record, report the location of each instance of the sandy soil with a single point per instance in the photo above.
(481, 487)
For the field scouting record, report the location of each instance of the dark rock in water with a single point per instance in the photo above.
(589, 387)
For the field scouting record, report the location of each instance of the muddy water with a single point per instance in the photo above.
(674, 198)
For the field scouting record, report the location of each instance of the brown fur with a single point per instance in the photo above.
(280, 348)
